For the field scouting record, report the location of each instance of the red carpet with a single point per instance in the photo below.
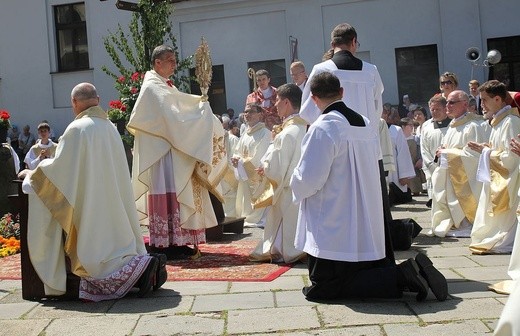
(219, 262)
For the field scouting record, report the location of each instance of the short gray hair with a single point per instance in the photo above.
(159, 51)
(84, 91)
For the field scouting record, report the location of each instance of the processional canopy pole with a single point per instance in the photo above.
(203, 68)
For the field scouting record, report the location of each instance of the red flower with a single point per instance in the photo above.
(4, 114)
(133, 90)
(123, 108)
(136, 76)
(121, 79)
(116, 104)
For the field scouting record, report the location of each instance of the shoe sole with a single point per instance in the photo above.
(435, 279)
(161, 274)
(149, 277)
(412, 275)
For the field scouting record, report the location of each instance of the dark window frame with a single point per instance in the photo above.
(276, 69)
(508, 69)
(417, 69)
(77, 29)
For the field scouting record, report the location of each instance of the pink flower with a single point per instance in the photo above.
(121, 79)
(133, 90)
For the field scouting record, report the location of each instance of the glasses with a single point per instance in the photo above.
(448, 82)
(358, 44)
(296, 74)
(453, 102)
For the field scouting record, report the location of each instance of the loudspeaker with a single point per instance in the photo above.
(493, 57)
(472, 54)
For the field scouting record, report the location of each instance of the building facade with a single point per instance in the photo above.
(48, 46)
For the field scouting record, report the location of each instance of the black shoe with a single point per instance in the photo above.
(435, 279)
(429, 203)
(147, 279)
(413, 280)
(161, 274)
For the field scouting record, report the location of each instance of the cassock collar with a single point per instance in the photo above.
(354, 118)
(441, 124)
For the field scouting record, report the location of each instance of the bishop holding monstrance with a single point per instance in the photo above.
(179, 157)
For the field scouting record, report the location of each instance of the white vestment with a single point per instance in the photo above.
(280, 227)
(250, 149)
(362, 92)
(170, 125)
(32, 158)
(455, 188)
(403, 159)
(229, 182)
(341, 210)
(431, 139)
(496, 221)
(85, 191)
(387, 150)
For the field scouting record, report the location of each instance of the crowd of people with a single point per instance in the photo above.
(316, 163)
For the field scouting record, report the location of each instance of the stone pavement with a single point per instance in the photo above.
(278, 307)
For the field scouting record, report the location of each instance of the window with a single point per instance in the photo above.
(217, 89)
(276, 69)
(417, 72)
(71, 37)
(508, 69)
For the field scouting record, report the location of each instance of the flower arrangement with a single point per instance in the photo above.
(4, 119)
(128, 88)
(117, 111)
(9, 235)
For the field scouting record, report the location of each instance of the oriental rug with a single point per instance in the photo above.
(223, 261)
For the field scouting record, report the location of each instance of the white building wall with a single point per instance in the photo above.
(241, 31)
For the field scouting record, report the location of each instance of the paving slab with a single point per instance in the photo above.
(220, 302)
(484, 273)
(457, 251)
(468, 327)
(298, 269)
(281, 283)
(371, 312)
(455, 309)
(93, 325)
(292, 299)
(471, 290)
(491, 260)
(15, 310)
(196, 287)
(153, 305)
(454, 262)
(272, 320)
(164, 325)
(69, 309)
(344, 331)
(23, 327)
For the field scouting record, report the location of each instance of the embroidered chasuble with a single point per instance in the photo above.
(250, 149)
(496, 219)
(280, 226)
(179, 155)
(85, 192)
(455, 188)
